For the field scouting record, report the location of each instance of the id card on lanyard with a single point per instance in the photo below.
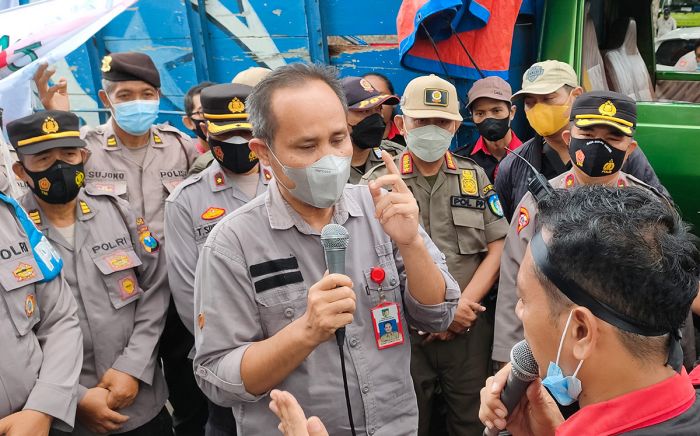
(386, 316)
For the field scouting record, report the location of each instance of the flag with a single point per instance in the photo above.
(484, 27)
(44, 31)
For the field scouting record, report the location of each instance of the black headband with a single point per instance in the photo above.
(578, 295)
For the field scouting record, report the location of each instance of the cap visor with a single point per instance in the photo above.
(375, 101)
(220, 128)
(431, 113)
(597, 122)
(545, 88)
(51, 143)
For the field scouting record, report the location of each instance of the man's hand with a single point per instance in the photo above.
(465, 315)
(94, 413)
(330, 305)
(536, 415)
(122, 388)
(25, 423)
(293, 422)
(397, 210)
(52, 97)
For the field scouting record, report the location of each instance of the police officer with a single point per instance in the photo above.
(112, 265)
(367, 125)
(201, 201)
(40, 338)
(599, 140)
(461, 212)
(267, 313)
(193, 119)
(549, 89)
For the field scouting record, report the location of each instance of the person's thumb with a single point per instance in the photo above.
(536, 394)
(315, 427)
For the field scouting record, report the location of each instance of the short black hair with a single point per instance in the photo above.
(191, 93)
(697, 44)
(385, 79)
(628, 248)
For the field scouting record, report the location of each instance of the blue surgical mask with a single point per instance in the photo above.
(136, 117)
(564, 389)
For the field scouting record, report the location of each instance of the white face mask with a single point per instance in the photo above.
(429, 143)
(320, 184)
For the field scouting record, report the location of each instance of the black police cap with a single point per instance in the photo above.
(605, 108)
(45, 130)
(224, 107)
(121, 67)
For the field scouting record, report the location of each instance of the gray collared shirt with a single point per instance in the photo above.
(252, 280)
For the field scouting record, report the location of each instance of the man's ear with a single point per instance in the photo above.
(577, 92)
(85, 153)
(630, 149)
(584, 329)
(259, 147)
(513, 109)
(566, 136)
(20, 172)
(187, 121)
(103, 98)
(398, 120)
(205, 129)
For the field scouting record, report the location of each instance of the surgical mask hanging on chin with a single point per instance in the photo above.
(595, 157)
(428, 143)
(564, 389)
(135, 117)
(547, 119)
(320, 184)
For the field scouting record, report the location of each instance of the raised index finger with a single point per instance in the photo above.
(393, 169)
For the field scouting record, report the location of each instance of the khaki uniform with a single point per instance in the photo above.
(111, 169)
(191, 212)
(40, 338)
(252, 281)
(122, 301)
(374, 159)
(201, 162)
(459, 217)
(508, 328)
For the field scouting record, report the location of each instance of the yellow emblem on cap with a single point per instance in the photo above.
(609, 167)
(467, 183)
(236, 106)
(50, 126)
(366, 85)
(608, 109)
(106, 64)
(436, 96)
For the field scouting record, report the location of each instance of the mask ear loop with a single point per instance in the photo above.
(563, 335)
(277, 179)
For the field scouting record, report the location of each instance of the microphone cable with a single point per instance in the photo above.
(340, 339)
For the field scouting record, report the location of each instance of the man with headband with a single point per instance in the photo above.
(604, 288)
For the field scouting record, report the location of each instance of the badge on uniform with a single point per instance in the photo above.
(523, 219)
(127, 287)
(495, 205)
(468, 184)
(386, 319)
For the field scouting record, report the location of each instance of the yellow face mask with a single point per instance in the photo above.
(548, 119)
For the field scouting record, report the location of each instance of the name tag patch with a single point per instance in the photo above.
(467, 202)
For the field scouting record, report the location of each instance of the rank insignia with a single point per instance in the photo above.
(450, 161)
(35, 216)
(213, 213)
(580, 157)
(112, 141)
(148, 241)
(157, 139)
(119, 262)
(495, 205)
(49, 126)
(570, 181)
(377, 152)
(523, 219)
(219, 179)
(267, 174)
(621, 183)
(436, 97)
(127, 287)
(84, 208)
(24, 272)
(29, 305)
(406, 164)
(468, 184)
(201, 320)
(608, 167)
(488, 188)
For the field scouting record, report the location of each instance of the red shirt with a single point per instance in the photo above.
(643, 408)
(480, 153)
(480, 145)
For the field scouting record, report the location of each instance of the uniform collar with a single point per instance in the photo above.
(85, 210)
(219, 180)
(568, 180)
(407, 166)
(642, 408)
(480, 145)
(282, 216)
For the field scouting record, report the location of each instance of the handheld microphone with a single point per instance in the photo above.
(335, 240)
(538, 184)
(524, 370)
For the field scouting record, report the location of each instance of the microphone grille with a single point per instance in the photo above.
(524, 364)
(334, 237)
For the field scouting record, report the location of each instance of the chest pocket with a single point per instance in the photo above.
(108, 181)
(117, 268)
(469, 224)
(172, 178)
(18, 279)
(390, 286)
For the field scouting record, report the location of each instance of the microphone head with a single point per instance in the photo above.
(524, 364)
(334, 237)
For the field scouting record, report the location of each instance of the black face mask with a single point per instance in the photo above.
(369, 132)
(198, 129)
(235, 156)
(494, 129)
(595, 157)
(58, 184)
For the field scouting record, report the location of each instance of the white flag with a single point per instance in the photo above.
(40, 32)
